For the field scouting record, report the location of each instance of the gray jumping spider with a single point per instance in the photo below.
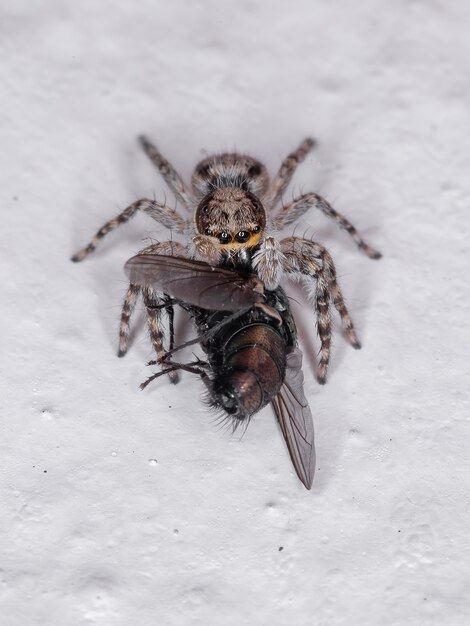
(233, 222)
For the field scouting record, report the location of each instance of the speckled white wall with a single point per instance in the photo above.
(121, 507)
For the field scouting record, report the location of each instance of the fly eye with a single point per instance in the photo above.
(224, 237)
(242, 236)
(256, 229)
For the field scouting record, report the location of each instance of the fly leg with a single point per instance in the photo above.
(196, 367)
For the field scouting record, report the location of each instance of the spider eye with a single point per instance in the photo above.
(208, 232)
(224, 237)
(242, 236)
(256, 229)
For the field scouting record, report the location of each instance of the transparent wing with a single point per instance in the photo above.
(196, 282)
(295, 419)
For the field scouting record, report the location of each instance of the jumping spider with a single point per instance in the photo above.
(233, 222)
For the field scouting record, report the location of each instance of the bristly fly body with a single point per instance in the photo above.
(250, 340)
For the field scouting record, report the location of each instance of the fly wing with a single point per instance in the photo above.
(196, 282)
(295, 419)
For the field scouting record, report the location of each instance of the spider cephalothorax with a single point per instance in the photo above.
(232, 216)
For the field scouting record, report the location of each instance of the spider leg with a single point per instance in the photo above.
(168, 172)
(155, 327)
(159, 212)
(295, 209)
(307, 260)
(154, 304)
(287, 170)
(127, 309)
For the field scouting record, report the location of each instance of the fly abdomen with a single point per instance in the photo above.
(253, 370)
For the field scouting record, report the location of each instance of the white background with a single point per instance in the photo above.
(126, 507)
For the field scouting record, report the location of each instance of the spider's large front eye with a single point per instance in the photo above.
(242, 236)
(224, 237)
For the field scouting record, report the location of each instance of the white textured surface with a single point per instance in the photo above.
(93, 530)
